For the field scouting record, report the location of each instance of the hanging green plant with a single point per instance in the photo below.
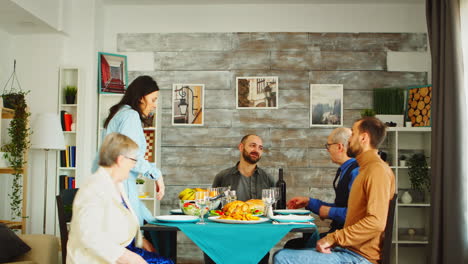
(19, 132)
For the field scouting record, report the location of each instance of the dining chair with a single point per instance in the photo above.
(387, 242)
(64, 211)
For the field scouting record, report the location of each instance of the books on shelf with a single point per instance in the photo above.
(68, 157)
(67, 120)
(66, 182)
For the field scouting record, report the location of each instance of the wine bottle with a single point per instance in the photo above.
(281, 184)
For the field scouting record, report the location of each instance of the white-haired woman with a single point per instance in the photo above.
(104, 227)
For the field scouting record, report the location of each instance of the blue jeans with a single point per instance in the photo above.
(310, 256)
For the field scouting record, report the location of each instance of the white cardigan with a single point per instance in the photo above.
(101, 226)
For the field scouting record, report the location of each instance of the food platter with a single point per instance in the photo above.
(228, 221)
(291, 211)
(292, 218)
(177, 218)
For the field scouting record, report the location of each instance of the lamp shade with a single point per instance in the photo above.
(47, 132)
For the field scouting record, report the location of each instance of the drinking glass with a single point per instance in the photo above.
(232, 196)
(224, 199)
(202, 200)
(277, 195)
(268, 198)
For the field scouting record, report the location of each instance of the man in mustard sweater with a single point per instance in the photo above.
(361, 238)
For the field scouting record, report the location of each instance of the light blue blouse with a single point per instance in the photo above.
(127, 121)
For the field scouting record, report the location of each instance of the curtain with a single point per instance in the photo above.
(448, 238)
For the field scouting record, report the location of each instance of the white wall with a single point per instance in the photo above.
(6, 58)
(263, 18)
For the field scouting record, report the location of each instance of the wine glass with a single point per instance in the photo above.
(202, 200)
(277, 195)
(268, 198)
(232, 196)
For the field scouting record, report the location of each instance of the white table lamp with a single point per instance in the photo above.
(47, 135)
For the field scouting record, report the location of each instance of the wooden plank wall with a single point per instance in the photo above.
(191, 156)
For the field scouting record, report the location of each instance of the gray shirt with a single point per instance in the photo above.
(246, 187)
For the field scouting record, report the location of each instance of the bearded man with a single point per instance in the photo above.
(360, 240)
(246, 178)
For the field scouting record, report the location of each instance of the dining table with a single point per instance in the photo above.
(231, 243)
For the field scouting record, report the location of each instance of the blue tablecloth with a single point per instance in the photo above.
(235, 243)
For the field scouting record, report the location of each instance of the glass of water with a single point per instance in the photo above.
(276, 194)
(268, 197)
(202, 200)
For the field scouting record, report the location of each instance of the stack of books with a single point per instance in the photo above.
(68, 157)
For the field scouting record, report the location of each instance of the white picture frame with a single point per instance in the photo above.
(257, 92)
(188, 103)
(326, 105)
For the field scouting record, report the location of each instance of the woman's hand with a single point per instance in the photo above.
(129, 257)
(148, 246)
(160, 188)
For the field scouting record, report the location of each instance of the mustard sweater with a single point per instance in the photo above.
(368, 204)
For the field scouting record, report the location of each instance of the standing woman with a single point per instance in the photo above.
(126, 117)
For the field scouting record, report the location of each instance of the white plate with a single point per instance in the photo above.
(292, 218)
(177, 212)
(177, 218)
(291, 211)
(228, 221)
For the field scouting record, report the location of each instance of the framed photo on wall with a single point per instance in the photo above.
(188, 104)
(326, 105)
(112, 75)
(419, 105)
(257, 92)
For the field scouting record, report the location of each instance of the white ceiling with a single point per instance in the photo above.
(16, 20)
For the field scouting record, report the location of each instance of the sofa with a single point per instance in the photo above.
(44, 250)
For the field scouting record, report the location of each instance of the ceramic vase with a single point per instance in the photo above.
(406, 198)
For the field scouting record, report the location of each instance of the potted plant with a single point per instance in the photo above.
(402, 160)
(140, 187)
(70, 94)
(367, 112)
(419, 176)
(389, 105)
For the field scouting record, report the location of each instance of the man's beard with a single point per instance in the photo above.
(352, 153)
(250, 159)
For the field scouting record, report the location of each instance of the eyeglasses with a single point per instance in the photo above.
(327, 145)
(135, 160)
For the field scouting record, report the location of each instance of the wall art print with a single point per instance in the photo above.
(112, 75)
(326, 105)
(188, 104)
(257, 92)
(419, 105)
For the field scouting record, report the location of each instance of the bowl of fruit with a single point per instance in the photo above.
(187, 201)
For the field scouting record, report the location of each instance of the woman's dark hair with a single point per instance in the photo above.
(141, 86)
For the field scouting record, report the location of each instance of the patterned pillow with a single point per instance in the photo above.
(11, 246)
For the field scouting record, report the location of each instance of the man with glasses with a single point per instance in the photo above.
(337, 145)
(361, 239)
